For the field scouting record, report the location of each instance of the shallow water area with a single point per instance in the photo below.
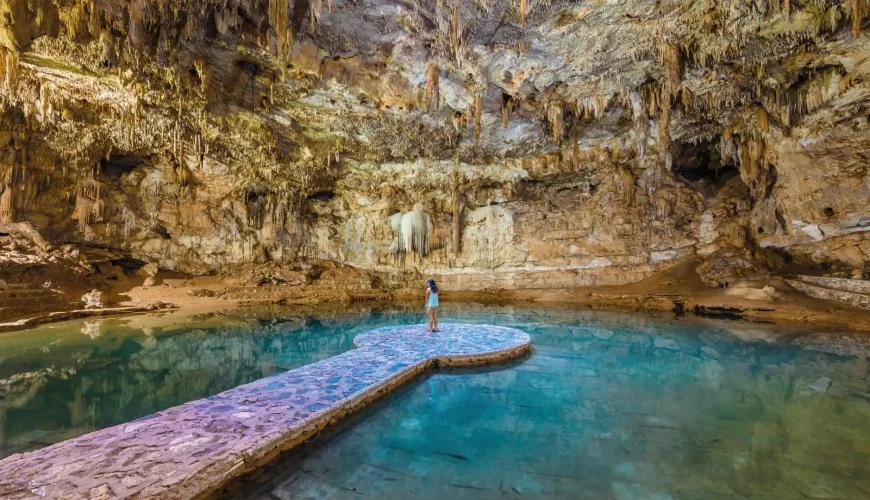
(608, 405)
(63, 380)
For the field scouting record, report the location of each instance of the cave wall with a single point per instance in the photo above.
(549, 144)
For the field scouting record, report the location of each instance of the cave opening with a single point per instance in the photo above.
(120, 163)
(254, 197)
(702, 164)
(128, 265)
(323, 195)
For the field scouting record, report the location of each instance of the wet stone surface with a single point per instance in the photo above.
(191, 449)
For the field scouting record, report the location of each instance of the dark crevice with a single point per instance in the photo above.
(715, 312)
(162, 232)
(701, 165)
(322, 196)
(119, 164)
(300, 14)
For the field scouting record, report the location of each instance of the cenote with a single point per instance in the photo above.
(607, 405)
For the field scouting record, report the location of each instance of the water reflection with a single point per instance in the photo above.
(609, 406)
(69, 379)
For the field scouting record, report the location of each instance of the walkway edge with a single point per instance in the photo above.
(192, 450)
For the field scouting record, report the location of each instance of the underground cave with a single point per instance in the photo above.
(649, 222)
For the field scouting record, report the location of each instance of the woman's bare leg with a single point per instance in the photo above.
(435, 318)
(431, 320)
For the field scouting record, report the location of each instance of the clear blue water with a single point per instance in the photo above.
(64, 380)
(607, 406)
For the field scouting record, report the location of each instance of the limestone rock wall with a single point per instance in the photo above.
(546, 144)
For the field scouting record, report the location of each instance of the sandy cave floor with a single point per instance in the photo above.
(676, 290)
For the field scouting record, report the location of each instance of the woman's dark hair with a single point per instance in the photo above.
(433, 286)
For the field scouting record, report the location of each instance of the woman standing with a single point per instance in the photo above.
(432, 305)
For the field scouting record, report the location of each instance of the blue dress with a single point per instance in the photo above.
(433, 299)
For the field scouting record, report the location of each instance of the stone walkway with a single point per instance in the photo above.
(191, 450)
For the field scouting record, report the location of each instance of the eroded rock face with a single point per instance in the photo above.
(545, 144)
(94, 299)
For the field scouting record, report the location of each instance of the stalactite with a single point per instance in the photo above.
(413, 231)
(44, 102)
(665, 131)
(176, 141)
(763, 123)
(128, 219)
(524, 7)
(204, 72)
(89, 205)
(593, 107)
(858, 11)
(688, 99)
(507, 104)
(727, 149)
(456, 34)
(641, 122)
(478, 110)
(673, 65)
(785, 115)
(201, 148)
(7, 204)
(555, 117)
(279, 19)
(753, 168)
(457, 201)
(316, 7)
(11, 64)
(433, 91)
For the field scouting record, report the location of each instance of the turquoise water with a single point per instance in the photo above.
(61, 381)
(607, 406)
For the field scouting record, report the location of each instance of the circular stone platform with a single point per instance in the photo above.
(452, 345)
(191, 450)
